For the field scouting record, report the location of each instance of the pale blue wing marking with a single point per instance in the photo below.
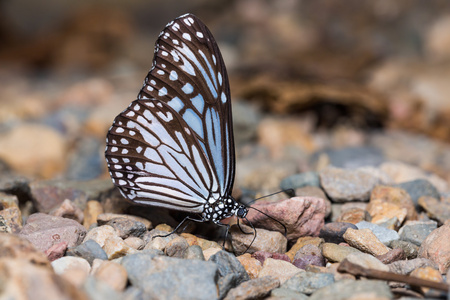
(194, 121)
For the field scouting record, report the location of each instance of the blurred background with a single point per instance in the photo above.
(306, 77)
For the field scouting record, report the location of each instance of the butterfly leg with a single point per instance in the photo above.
(185, 220)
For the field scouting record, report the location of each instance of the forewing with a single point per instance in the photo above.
(189, 75)
(154, 158)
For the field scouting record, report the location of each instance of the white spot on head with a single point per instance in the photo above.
(118, 167)
(162, 92)
(219, 76)
(173, 76)
(163, 65)
(124, 151)
(223, 97)
(164, 53)
(176, 104)
(118, 174)
(175, 27)
(114, 149)
(137, 107)
(139, 149)
(114, 142)
(188, 88)
(125, 160)
(186, 36)
(149, 88)
(124, 141)
(119, 130)
(131, 132)
(114, 160)
(129, 168)
(160, 72)
(199, 34)
(129, 114)
(175, 42)
(153, 82)
(122, 182)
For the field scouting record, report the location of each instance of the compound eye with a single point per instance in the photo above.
(242, 212)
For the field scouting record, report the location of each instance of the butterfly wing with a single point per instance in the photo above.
(173, 147)
(189, 74)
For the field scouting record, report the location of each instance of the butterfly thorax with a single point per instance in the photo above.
(217, 210)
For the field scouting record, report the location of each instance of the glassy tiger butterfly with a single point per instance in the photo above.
(173, 147)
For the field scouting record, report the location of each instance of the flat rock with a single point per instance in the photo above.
(269, 241)
(382, 196)
(104, 218)
(418, 188)
(436, 247)
(393, 255)
(386, 236)
(408, 248)
(308, 282)
(343, 185)
(126, 227)
(302, 216)
(308, 255)
(89, 250)
(161, 277)
(301, 242)
(263, 255)
(353, 215)
(45, 231)
(253, 289)
(351, 289)
(366, 241)
(337, 253)
(280, 269)
(416, 231)
(366, 261)
(334, 232)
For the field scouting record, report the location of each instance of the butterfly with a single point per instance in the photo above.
(173, 147)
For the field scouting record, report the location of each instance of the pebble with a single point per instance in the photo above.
(405, 267)
(177, 247)
(250, 264)
(67, 209)
(45, 231)
(309, 250)
(91, 212)
(116, 247)
(416, 231)
(16, 247)
(100, 234)
(253, 289)
(334, 232)
(418, 188)
(316, 192)
(386, 236)
(113, 274)
(353, 215)
(280, 269)
(33, 150)
(300, 180)
(135, 242)
(203, 243)
(263, 255)
(366, 241)
(194, 252)
(394, 197)
(56, 251)
(408, 248)
(391, 256)
(436, 247)
(308, 282)
(302, 216)
(286, 294)
(366, 261)
(427, 273)
(49, 195)
(89, 250)
(307, 240)
(337, 253)
(105, 218)
(126, 227)
(7, 201)
(12, 217)
(305, 261)
(343, 185)
(154, 241)
(351, 289)
(269, 241)
(207, 253)
(161, 277)
(230, 270)
(437, 210)
(73, 269)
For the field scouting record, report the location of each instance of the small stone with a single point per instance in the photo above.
(308, 282)
(263, 255)
(162, 277)
(270, 241)
(437, 210)
(300, 180)
(427, 273)
(56, 251)
(302, 216)
(45, 231)
(308, 255)
(89, 250)
(307, 240)
(207, 253)
(7, 201)
(68, 210)
(177, 247)
(157, 239)
(405, 267)
(395, 197)
(365, 240)
(105, 218)
(382, 212)
(113, 274)
(115, 247)
(13, 218)
(126, 227)
(135, 242)
(16, 247)
(392, 255)
(279, 269)
(408, 248)
(91, 212)
(343, 185)
(100, 234)
(366, 261)
(73, 269)
(231, 272)
(351, 289)
(253, 289)
(286, 294)
(334, 232)
(203, 243)
(353, 216)
(436, 247)
(386, 236)
(337, 253)
(194, 252)
(418, 188)
(251, 265)
(416, 231)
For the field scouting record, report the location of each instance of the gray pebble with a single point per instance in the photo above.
(89, 250)
(416, 231)
(126, 227)
(334, 232)
(254, 289)
(386, 236)
(409, 248)
(418, 188)
(195, 252)
(308, 282)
